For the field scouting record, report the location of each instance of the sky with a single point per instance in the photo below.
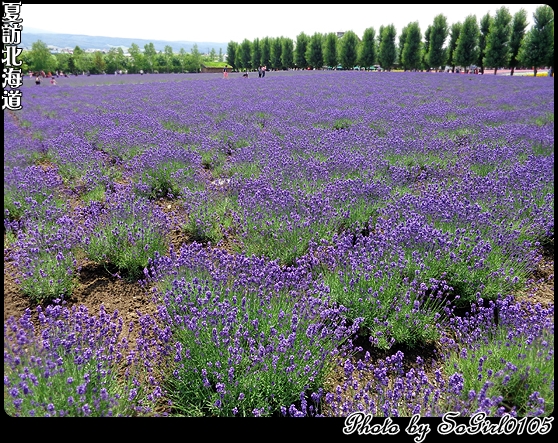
(222, 23)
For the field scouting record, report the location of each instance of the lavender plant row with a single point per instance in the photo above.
(331, 217)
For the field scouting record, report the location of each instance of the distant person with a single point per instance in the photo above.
(37, 80)
(259, 71)
(264, 68)
(225, 72)
(245, 75)
(52, 81)
(141, 71)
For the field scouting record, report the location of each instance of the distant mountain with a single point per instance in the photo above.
(106, 43)
(31, 30)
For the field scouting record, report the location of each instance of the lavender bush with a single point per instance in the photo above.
(45, 251)
(362, 213)
(76, 364)
(250, 340)
(125, 233)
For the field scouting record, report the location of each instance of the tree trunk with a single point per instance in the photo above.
(512, 69)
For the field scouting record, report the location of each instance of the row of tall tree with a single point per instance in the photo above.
(39, 58)
(495, 41)
(499, 41)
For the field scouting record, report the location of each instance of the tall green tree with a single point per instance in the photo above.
(265, 44)
(287, 53)
(314, 52)
(484, 29)
(348, 50)
(368, 50)
(410, 57)
(401, 46)
(40, 57)
(188, 62)
(150, 53)
(387, 52)
(275, 55)
(137, 58)
(160, 62)
(256, 56)
(424, 61)
(212, 55)
(25, 58)
(196, 59)
(498, 41)
(380, 33)
(80, 59)
(438, 34)
(232, 49)
(455, 30)
(467, 49)
(98, 63)
(244, 54)
(330, 49)
(537, 48)
(300, 50)
(168, 57)
(519, 25)
(63, 59)
(110, 59)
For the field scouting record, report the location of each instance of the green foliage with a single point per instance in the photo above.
(368, 49)
(214, 160)
(519, 24)
(212, 64)
(274, 240)
(537, 48)
(127, 239)
(466, 51)
(529, 374)
(18, 200)
(95, 194)
(387, 51)
(547, 118)
(438, 34)
(50, 276)
(314, 51)
(213, 221)
(253, 381)
(412, 47)
(348, 50)
(390, 314)
(497, 43)
(244, 169)
(176, 127)
(165, 179)
(60, 380)
(41, 58)
(342, 123)
(287, 50)
(300, 50)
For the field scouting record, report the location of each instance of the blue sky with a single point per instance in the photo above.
(236, 22)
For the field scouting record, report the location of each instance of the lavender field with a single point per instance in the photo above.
(312, 243)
